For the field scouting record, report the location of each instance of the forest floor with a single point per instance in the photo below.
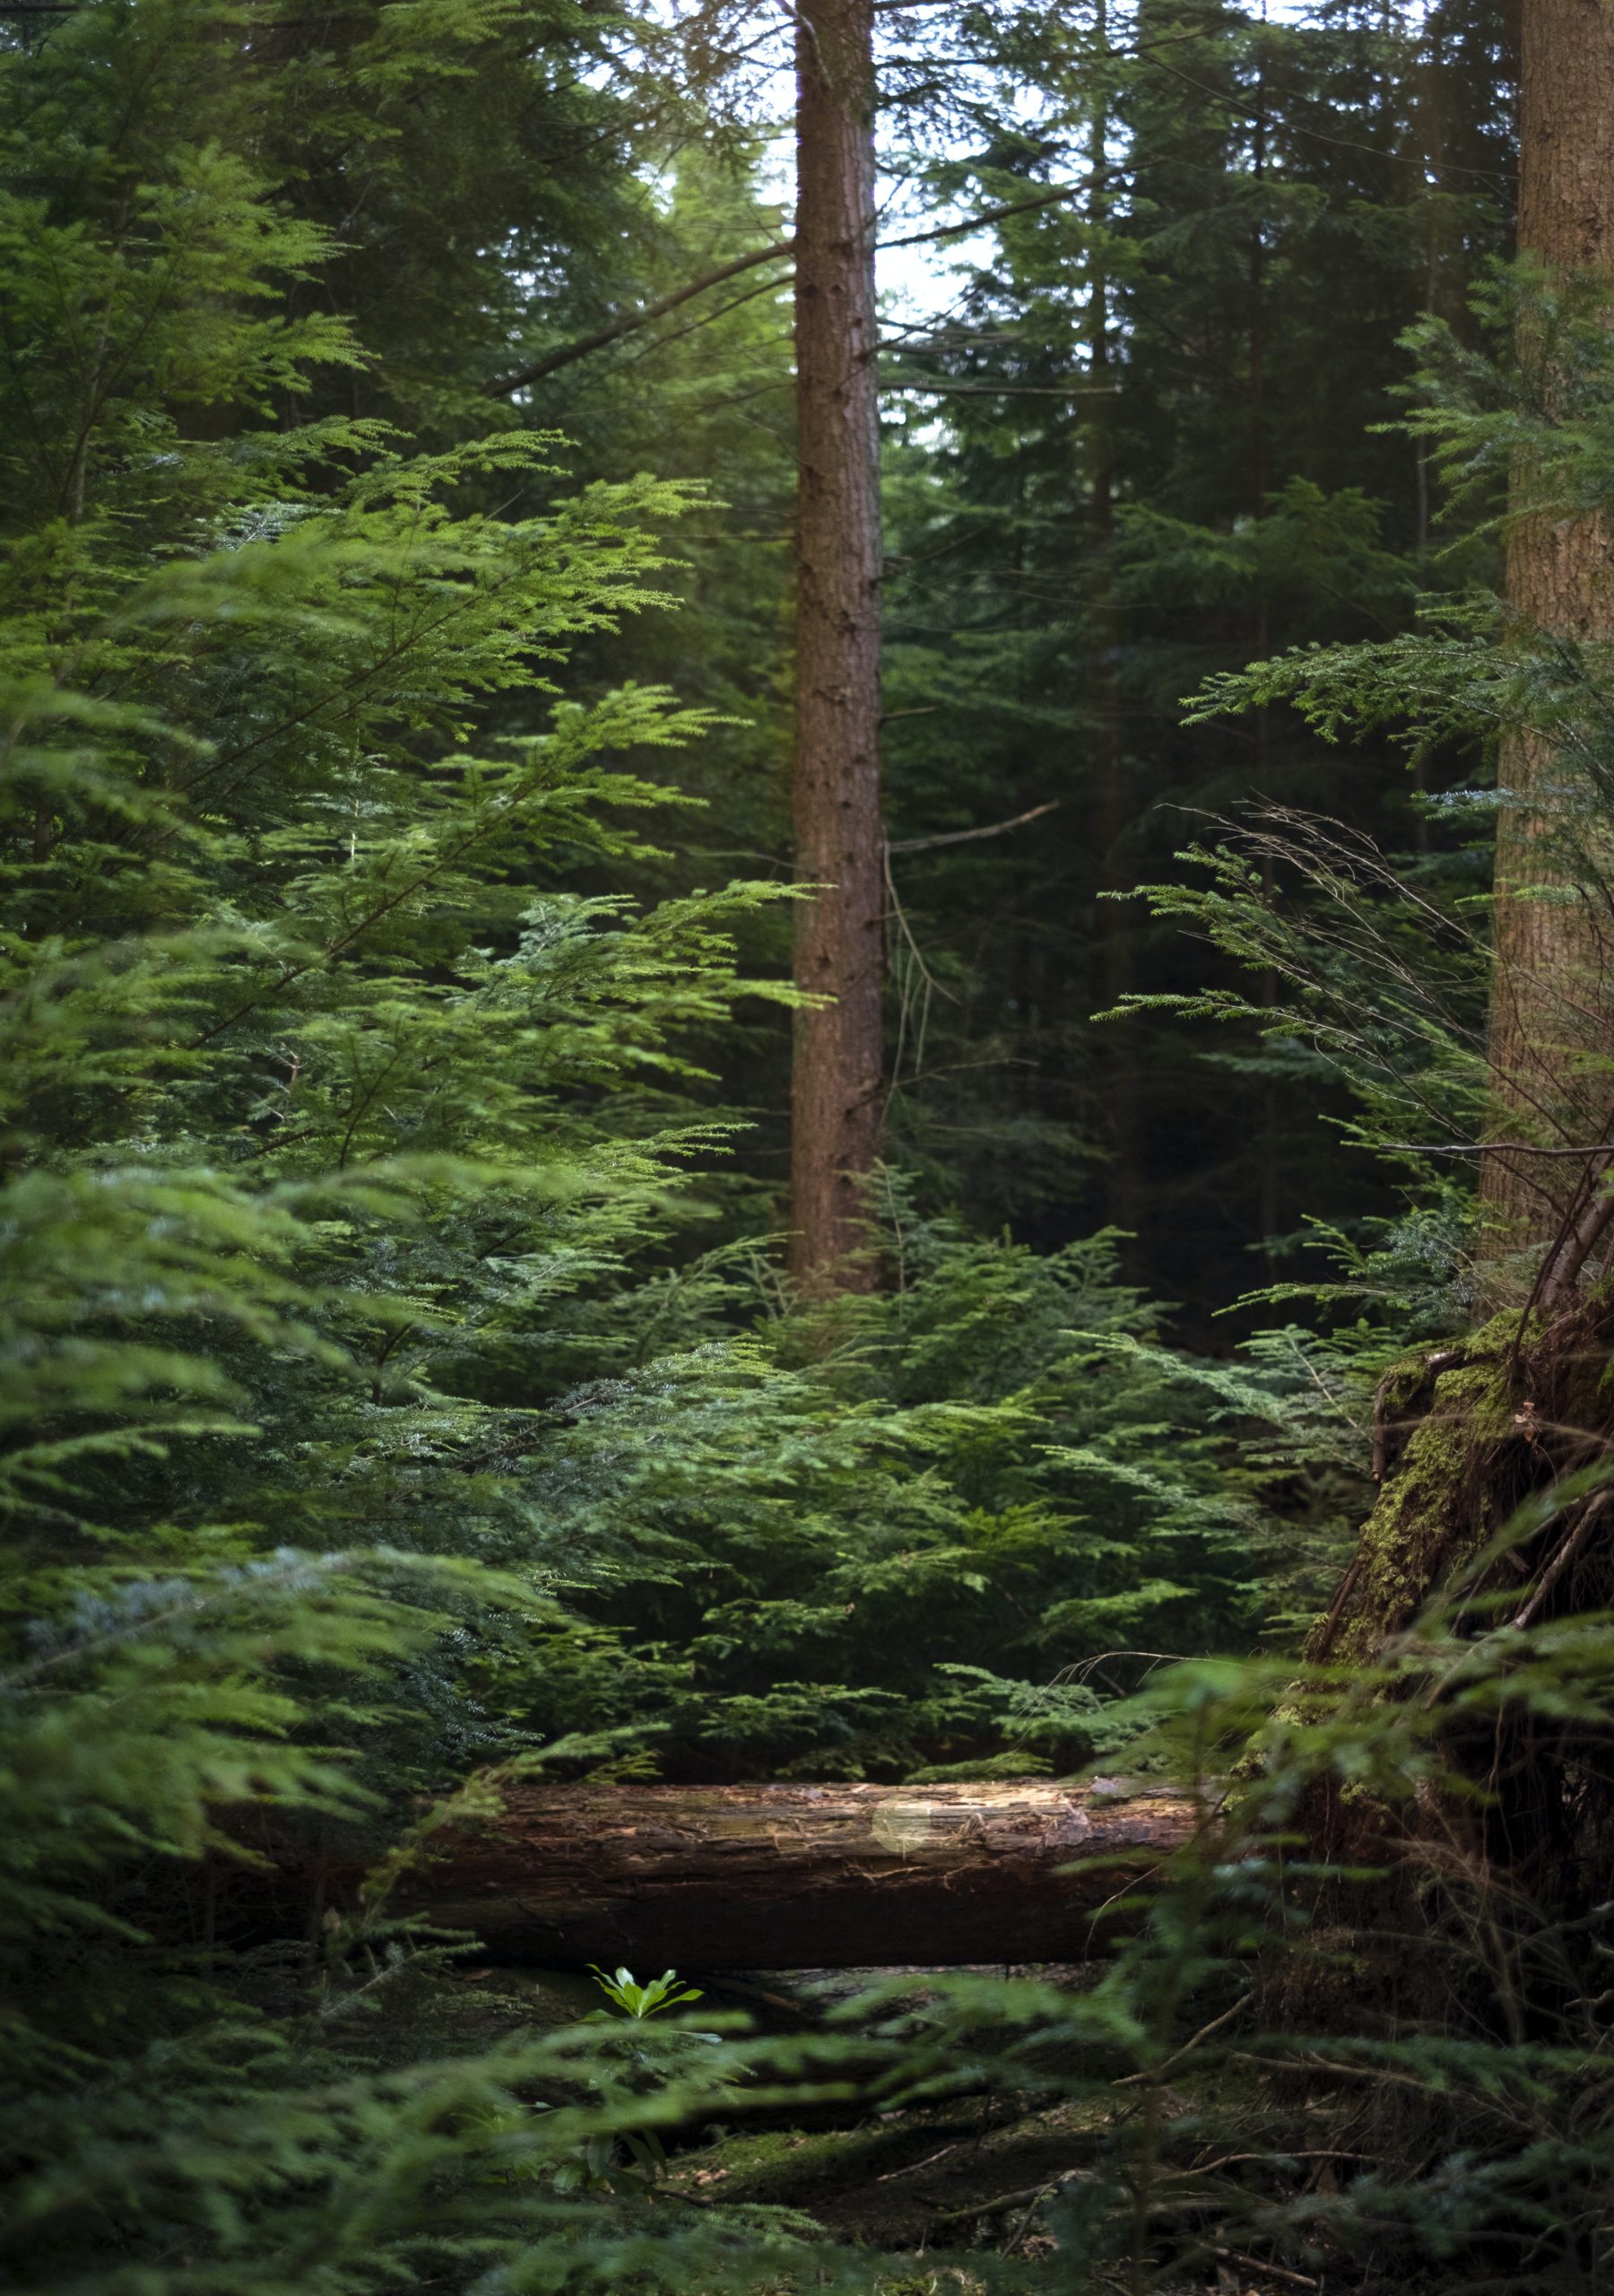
(956, 2196)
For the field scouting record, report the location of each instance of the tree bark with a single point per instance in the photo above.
(796, 1876)
(837, 1087)
(1551, 965)
(1110, 813)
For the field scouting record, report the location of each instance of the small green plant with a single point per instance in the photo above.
(598, 2170)
(634, 2000)
(597, 2166)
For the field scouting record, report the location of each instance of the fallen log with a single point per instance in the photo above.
(797, 1876)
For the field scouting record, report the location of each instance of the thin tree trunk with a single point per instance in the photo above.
(1110, 808)
(1441, 296)
(836, 1086)
(1551, 966)
(1267, 1151)
(794, 1876)
(1441, 301)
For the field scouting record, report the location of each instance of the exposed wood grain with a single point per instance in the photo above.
(793, 1876)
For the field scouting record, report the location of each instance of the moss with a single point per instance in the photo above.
(1436, 1507)
(1468, 1432)
(432, 2011)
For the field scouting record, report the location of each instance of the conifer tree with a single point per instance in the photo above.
(1033, 665)
(323, 1078)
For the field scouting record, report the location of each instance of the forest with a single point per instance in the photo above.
(807, 1147)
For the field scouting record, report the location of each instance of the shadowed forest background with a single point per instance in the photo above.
(449, 1359)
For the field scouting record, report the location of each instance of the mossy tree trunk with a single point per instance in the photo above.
(1447, 1908)
(1465, 1434)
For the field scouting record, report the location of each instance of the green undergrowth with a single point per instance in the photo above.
(397, 1388)
(400, 1394)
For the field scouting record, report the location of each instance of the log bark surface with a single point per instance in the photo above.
(798, 1877)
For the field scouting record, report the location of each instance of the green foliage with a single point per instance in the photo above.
(394, 1390)
(1154, 453)
(367, 1418)
(1373, 968)
(901, 1533)
(1387, 2060)
(321, 1082)
(636, 2000)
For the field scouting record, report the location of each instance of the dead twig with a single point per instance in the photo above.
(1157, 2072)
(965, 836)
(1007, 2200)
(929, 2161)
(1259, 2264)
(1567, 1549)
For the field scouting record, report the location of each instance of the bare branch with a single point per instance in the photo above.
(930, 388)
(631, 321)
(966, 836)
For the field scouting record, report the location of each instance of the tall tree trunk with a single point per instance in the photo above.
(837, 1088)
(1551, 967)
(1268, 1148)
(1110, 809)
